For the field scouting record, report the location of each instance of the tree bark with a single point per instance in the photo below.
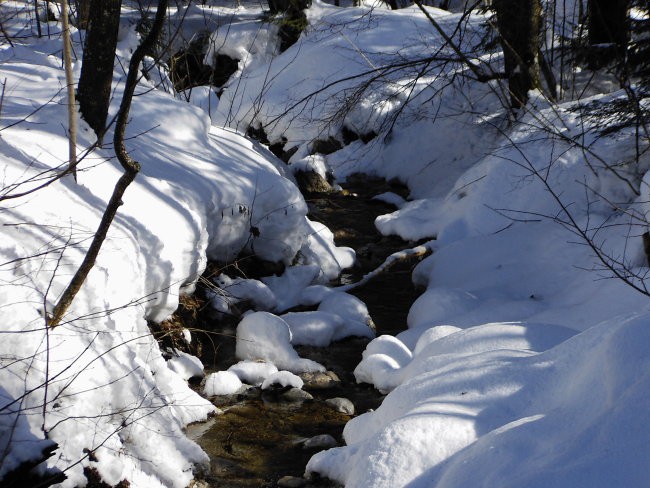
(83, 14)
(94, 89)
(519, 24)
(69, 79)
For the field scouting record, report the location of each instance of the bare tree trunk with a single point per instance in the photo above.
(38, 19)
(519, 24)
(94, 90)
(131, 169)
(72, 106)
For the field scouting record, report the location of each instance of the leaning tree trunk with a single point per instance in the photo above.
(94, 89)
(519, 24)
(130, 166)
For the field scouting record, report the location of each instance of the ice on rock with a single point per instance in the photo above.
(253, 372)
(222, 383)
(262, 335)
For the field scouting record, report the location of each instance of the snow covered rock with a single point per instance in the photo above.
(322, 441)
(262, 335)
(342, 405)
(282, 378)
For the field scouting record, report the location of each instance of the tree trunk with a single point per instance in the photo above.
(69, 79)
(519, 24)
(608, 22)
(97, 69)
(83, 14)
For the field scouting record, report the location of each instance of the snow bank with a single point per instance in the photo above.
(493, 375)
(341, 50)
(203, 192)
(507, 418)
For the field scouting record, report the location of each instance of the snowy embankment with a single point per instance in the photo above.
(97, 385)
(525, 362)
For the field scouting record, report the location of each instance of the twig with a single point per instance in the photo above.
(418, 252)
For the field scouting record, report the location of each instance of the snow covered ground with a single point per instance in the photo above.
(97, 385)
(524, 363)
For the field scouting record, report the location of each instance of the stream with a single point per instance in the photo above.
(259, 439)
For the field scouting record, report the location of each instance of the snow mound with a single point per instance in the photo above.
(339, 315)
(253, 372)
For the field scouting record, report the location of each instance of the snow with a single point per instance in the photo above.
(253, 372)
(234, 290)
(221, 383)
(498, 417)
(524, 362)
(185, 365)
(200, 193)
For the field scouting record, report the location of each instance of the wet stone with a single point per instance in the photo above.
(246, 392)
(291, 482)
(342, 405)
(296, 395)
(323, 441)
(320, 381)
(311, 182)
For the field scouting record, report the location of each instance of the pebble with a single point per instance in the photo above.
(199, 484)
(291, 482)
(320, 381)
(323, 441)
(342, 405)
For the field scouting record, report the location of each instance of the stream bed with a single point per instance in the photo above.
(259, 439)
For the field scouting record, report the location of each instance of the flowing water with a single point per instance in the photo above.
(259, 438)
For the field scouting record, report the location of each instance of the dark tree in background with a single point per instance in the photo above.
(94, 89)
(607, 22)
(83, 13)
(519, 23)
(608, 31)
